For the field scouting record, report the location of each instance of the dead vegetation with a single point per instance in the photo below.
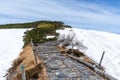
(76, 53)
(26, 58)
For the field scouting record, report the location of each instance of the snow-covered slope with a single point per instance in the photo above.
(96, 42)
(10, 46)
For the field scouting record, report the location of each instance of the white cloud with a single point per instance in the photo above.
(65, 10)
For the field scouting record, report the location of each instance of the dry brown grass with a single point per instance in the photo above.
(26, 58)
(88, 60)
(63, 50)
(27, 55)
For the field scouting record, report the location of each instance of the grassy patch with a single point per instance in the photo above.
(45, 25)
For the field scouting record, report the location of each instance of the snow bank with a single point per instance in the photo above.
(96, 42)
(10, 46)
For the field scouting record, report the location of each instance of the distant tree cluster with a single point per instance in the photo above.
(32, 24)
(19, 25)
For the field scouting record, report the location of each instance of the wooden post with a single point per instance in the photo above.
(34, 52)
(72, 48)
(101, 58)
(23, 72)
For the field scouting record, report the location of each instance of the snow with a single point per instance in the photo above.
(49, 37)
(10, 46)
(96, 42)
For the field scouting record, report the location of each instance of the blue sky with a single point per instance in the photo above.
(103, 15)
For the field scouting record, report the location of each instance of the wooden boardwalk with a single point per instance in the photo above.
(61, 67)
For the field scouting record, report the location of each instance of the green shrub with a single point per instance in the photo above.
(38, 35)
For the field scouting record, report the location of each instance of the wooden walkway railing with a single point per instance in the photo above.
(34, 53)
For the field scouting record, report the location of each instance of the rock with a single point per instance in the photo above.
(81, 68)
(58, 62)
(55, 68)
(49, 70)
(61, 75)
(61, 79)
(74, 75)
(62, 66)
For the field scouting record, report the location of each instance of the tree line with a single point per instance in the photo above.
(31, 24)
